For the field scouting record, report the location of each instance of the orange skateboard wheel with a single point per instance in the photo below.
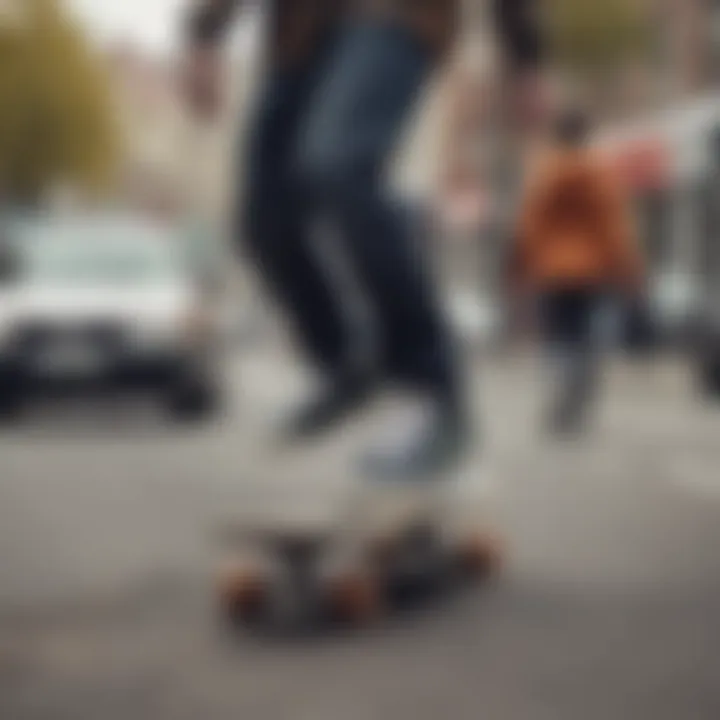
(242, 591)
(354, 598)
(481, 554)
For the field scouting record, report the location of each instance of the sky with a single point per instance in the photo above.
(152, 23)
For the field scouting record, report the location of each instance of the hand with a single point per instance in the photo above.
(202, 81)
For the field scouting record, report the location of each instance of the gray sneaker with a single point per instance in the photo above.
(428, 451)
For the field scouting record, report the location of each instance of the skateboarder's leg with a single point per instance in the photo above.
(275, 231)
(277, 237)
(358, 115)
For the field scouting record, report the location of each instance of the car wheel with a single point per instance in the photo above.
(11, 399)
(710, 378)
(193, 401)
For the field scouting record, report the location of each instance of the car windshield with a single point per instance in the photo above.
(84, 258)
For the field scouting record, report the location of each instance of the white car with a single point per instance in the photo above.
(105, 302)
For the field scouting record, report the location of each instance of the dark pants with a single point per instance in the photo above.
(568, 324)
(319, 144)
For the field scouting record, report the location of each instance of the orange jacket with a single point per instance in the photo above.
(575, 226)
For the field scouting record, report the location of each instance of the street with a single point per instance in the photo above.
(607, 608)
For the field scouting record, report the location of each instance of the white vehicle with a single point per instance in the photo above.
(105, 302)
(677, 237)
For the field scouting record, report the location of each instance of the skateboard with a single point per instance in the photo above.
(352, 565)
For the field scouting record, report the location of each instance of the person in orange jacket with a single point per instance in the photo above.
(575, 245)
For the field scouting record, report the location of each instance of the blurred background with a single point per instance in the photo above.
(108, 124)
(608, 607)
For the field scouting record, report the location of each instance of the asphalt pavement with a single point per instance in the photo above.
(607, 607)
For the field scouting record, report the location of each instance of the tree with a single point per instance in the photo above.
(597, 35)
(595, 38)
(56, 121)
(595, 42)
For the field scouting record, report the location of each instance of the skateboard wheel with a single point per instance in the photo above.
(481, 554)
(353, 598)
(243, 593)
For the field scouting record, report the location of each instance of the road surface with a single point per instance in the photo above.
(608, 607)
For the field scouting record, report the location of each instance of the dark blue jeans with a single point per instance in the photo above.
(568, 322)
(321, 138)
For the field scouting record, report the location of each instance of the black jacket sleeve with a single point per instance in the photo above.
(517, 23)
(209, 19)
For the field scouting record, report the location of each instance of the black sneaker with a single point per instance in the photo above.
(327, 406)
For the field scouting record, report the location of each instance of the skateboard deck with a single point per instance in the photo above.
(305, 535)
(294, 562)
